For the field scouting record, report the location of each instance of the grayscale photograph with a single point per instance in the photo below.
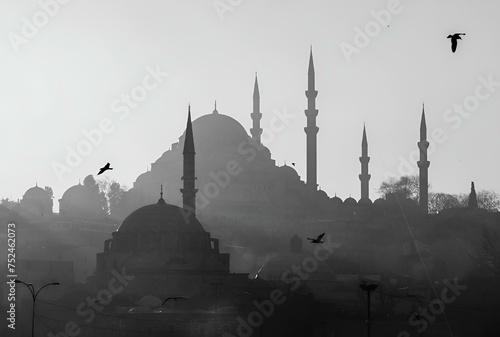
(250, 168)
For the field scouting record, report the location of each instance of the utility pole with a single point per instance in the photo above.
(216, 284)
(368, 287)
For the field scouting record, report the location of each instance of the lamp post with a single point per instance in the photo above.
(216, 284)
(368, 287)
(34, 295)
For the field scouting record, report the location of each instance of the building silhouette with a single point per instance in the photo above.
(238, 178)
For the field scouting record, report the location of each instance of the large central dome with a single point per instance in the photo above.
(160, 217)
(215, 130)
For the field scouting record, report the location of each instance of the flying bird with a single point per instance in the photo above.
(454, 39)
(318, 239)
(293, 164)
(174, 299)
(104, 169)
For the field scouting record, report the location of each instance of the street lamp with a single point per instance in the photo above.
(258, 299)
(34, 295)
(368, 287)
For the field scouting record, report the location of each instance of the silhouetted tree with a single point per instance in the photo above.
(90, 183)
(488, 258)
(488, 200)
(8, 203)
(114, 193)
(49, 191)
(441, 201)
(405, 186)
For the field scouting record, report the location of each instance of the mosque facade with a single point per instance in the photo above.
(238, 178)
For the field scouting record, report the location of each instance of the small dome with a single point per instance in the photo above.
(350, 202)
(160, 216)
(74, 192)
(36, 193)
(286, 172)
(336, 201)
(322, 194)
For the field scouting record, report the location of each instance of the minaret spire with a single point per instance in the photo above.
(311, 129)
(423, 165)
(256, 130)
(364, 177)
(189, 192)
(472, 196)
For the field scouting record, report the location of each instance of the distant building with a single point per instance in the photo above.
(165, 252)
(36, 201)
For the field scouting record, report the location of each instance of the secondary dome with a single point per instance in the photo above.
(35, 193)
(287, 172)
(160, 216)
(74, 193)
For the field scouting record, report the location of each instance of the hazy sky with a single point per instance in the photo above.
(65, 78)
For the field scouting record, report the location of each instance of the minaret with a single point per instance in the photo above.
(472, 196)
(364, 177)
(423, 165)
(311, 129)
(189, 192)
(256, 130)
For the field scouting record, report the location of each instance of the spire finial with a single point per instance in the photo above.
(188, 140)
(256, 94)
(215, 112)
(36, 184)
(161, 200)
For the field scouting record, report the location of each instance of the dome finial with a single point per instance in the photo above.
(215, 112)
(161, 201)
